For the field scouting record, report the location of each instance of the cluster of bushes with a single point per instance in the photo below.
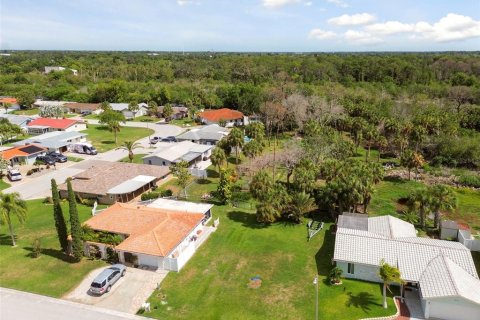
(156, 194)
(469, 180)
(100, 236)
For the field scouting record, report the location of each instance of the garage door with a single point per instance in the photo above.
(147, 260)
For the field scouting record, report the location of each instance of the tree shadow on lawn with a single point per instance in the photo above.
(363, 300)
(396, 179)
(324, 256)
(52, 253)
(212, 173)
(248, 220)
(6, 239)
(107, 142)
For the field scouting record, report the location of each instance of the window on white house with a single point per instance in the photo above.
(351, 268)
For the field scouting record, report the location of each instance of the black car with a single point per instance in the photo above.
(46, 160)
(58, 157)
(169, 139)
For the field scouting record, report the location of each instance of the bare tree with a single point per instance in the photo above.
(297, 107)
(460, 95)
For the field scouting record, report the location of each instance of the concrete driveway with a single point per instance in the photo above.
(127, 295)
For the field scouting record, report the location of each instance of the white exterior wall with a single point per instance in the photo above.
(361, 272)
(148, 260)
(446, 233)
(156, 161)
(186, 248)
(77, 127)
(451, 308)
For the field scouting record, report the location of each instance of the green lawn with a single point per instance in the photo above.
(214, 283)
(27, 112)
(75, 159)
(137, 158)
(183, 122)
(384, 201)
(4, 184)
(50, 274)
(104, 140)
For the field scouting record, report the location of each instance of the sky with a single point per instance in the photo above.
(240, 25)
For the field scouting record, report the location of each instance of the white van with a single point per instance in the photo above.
(83, 147)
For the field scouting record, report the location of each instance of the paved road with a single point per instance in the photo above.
(39, 187)
(127, 295)
(18, 305)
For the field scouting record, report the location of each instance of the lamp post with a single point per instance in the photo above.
(315, 282)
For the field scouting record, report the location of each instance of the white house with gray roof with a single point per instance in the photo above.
(123, 108)
(444, 271)
(170, 153)
(58, 141)
(209, 135)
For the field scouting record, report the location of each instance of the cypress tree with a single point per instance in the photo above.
(60, 224)
(75, 228)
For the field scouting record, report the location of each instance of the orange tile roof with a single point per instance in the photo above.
(8, 100)
(53, 123)
(21, 151)
(221, 114)
(150, 230)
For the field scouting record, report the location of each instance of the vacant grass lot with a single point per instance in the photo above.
(52, 273)
(214, 284)
(388, 192)
(104, 140)
(26, 112)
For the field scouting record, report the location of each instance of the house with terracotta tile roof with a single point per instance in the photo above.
(44, 125)
(231, 117)
(157, 236)
(25, 154)
(439, 276)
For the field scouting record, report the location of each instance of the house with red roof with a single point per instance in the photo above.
(44, 125)
(231, 117)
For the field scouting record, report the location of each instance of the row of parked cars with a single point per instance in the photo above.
(154, 140)
(50, 159)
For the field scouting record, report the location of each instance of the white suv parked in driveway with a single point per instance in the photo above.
(14, 174)
(107, 278)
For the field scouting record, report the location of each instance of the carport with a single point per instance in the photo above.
(130, 189)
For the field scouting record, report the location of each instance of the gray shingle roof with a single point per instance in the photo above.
(211, 132)
(443, 277)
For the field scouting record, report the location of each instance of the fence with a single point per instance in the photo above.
(199, 173)
(465, 237)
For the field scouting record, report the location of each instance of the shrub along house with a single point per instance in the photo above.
(159, 236)
(442, 272)
(109, 182)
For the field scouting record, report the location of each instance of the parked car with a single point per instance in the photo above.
(83, 147)
(14, 174)
(58, 157)
(154, 140)
(85, 113)
(169, 139)
(46, 160)
(107, 278)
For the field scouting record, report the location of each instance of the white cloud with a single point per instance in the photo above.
(320, 34)
(449, 28)
(186, 2)
(352, 20)
(339, 3)
(390, 27)
(278, 3)
(308, 3)
(361, 37)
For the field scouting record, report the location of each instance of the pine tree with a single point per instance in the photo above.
(60, 224)
(76, 229)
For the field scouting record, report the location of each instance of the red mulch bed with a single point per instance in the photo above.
(404, 312)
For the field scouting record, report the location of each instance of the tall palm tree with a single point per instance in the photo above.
(388, 274)
(420, 201)
(236, 140)
(218, 157)
(443, 198)
(12, 205)
(130, 146)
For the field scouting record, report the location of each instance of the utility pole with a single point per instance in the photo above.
(315, 282)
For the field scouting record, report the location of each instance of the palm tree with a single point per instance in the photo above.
(236, 140)
(130, 146)
(133, 107)
(411, 159)
(388, 274)
(443, 198)
(12, 205)
(301, 204)
(218, 158)
(420, 201)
